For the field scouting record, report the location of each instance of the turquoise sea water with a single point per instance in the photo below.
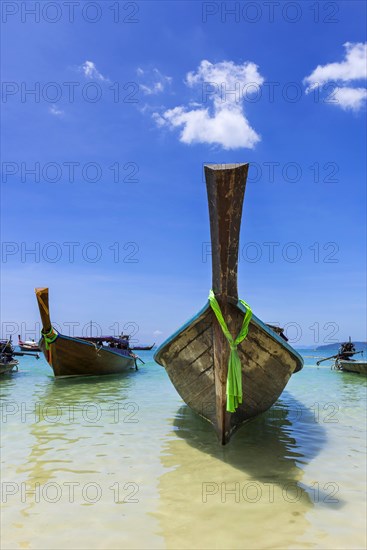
(121, 462)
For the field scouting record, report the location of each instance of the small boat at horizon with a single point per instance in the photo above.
(143, 348)
(85, 356)
(225, 363)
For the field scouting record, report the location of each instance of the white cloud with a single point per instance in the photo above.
(222, 121)
(90, 71)
(225, 72)
(54, 110)
(153, 89)
(157, 332)
(230, 129)
(352, 68)
(350, 98)
(155, 81)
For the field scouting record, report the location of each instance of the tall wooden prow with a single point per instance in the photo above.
(42, 300)
(226, 190)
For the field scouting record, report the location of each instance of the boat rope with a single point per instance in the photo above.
(234, 376)
(49, 337)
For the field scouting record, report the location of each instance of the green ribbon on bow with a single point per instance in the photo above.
(234, 376)
(49, 337)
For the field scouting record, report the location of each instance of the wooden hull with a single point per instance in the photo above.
(267, 364)
(10, 366)
(72, 357)
(76, 357)
(25, 347)
(359, 367)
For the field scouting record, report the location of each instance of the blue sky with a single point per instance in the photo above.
(163, 108)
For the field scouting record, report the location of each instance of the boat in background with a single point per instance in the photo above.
(7, 362)
(351, 365)
(204, 358)
(86, 356)
(7, 366)
(143, 348)
(28, 345)
(122, 341)
(7, 354)
(344, 359)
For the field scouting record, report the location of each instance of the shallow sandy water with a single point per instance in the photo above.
(113, 463)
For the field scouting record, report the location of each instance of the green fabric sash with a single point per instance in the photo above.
(234, 376)
(49, 337)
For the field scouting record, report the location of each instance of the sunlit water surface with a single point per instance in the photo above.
(121, 462)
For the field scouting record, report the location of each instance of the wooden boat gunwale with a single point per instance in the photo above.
(103, 338)
(85, 342)
(254, 319)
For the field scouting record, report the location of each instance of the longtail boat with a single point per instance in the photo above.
(351, 365)
(144, 348)
(7, 353)
(80, 356)
(344, 359)
(7, 366)
(227, 379)
(28, 345)
(7, 362)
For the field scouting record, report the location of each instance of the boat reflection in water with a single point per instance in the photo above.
(248, 494)
(71, 423)
(87, 461)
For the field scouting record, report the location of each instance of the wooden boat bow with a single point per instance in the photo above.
(196, 356)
